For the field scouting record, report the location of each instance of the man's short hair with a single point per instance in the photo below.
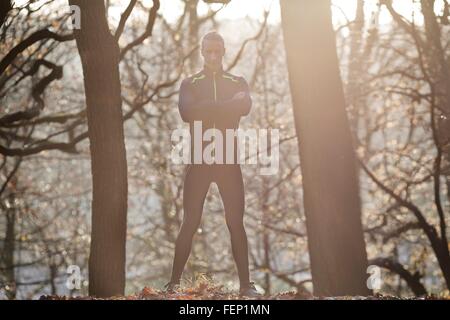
(213, 36)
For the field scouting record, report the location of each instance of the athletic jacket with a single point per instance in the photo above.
(207, 97)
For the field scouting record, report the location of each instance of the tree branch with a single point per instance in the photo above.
(413, 280)
(148, 30)
(32, 39)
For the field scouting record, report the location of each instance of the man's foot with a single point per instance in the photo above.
(249, 290)
(172, 287)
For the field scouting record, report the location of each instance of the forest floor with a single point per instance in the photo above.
(205, 291)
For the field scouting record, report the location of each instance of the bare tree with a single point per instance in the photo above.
(331, 192)
(100, 54)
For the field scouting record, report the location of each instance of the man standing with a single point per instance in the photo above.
(217, 99)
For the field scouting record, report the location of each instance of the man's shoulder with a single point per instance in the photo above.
(232, 77)
(192, 79)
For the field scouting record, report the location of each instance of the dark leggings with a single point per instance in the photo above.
(231, 187)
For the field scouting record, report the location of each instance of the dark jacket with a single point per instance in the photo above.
(207, 97)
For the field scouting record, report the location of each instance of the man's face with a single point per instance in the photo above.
(213, 52)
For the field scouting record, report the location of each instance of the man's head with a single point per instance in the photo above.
(213, 50)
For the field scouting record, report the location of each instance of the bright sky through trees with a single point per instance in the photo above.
(342, 9)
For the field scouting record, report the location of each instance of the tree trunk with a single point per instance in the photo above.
(331, 190)
(194, 62)
(439, 73)
(99, 54)
(8, 251)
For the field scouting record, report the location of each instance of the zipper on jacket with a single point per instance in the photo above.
(214, 130)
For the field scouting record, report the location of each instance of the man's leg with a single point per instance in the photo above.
(196, 185)
(231, 188)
